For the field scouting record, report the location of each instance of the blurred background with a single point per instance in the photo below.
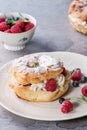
(53, 32)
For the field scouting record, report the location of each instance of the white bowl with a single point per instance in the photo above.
(17, 41)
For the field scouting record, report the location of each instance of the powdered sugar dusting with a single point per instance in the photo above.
(36, 63)
(46, 60)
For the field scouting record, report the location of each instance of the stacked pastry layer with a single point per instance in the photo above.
(39, 78)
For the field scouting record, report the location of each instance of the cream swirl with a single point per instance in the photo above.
(60, 80)
(78, 21)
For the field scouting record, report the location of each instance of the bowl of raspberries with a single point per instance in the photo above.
(16, 29)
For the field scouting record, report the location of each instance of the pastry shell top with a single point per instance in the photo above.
(78, 8)
(35, 68)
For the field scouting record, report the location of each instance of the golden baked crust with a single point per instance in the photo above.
(78, 26)
(39, 95)
(24, 72)
(78, 8)
(30, 74)
(78, 15)
(30, 78)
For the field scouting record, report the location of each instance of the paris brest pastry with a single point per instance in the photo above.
(78, 15)
(39, 78)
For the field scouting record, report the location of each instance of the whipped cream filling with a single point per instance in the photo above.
(36, 63)
(78, 21)
(41, 86)
(60, 80)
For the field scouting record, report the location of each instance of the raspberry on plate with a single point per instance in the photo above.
(51, 85)
(4, 26)
(28, 26)
(2, 19)
(76, 75)
(16, 29)
(67, 106)
(84, 90)
(65, 109)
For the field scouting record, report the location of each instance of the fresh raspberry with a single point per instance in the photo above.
(65, 109)
(67, 106)
(4, 26)
(76, 75)
(27, 22)
(8, 31)
(51, 85)
(20, 24)
(64, 71)
(28, 26)
(2, 19)
(84, 90)
(16, 29)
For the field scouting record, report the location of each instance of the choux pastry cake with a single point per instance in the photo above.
(39, 78)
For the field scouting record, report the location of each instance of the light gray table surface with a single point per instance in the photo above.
(53, 33)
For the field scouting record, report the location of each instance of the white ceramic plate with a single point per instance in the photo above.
(44, 111)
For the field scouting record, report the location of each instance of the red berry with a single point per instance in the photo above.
(76, 75)
(16, 29)
(64, 72)
(67, 106)
(28, 26)
(27, 22)
(51, 85)
(65, 109)
(2, 19)
(8, 31)
(4, 26)
(84, 90)
(20, 24)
